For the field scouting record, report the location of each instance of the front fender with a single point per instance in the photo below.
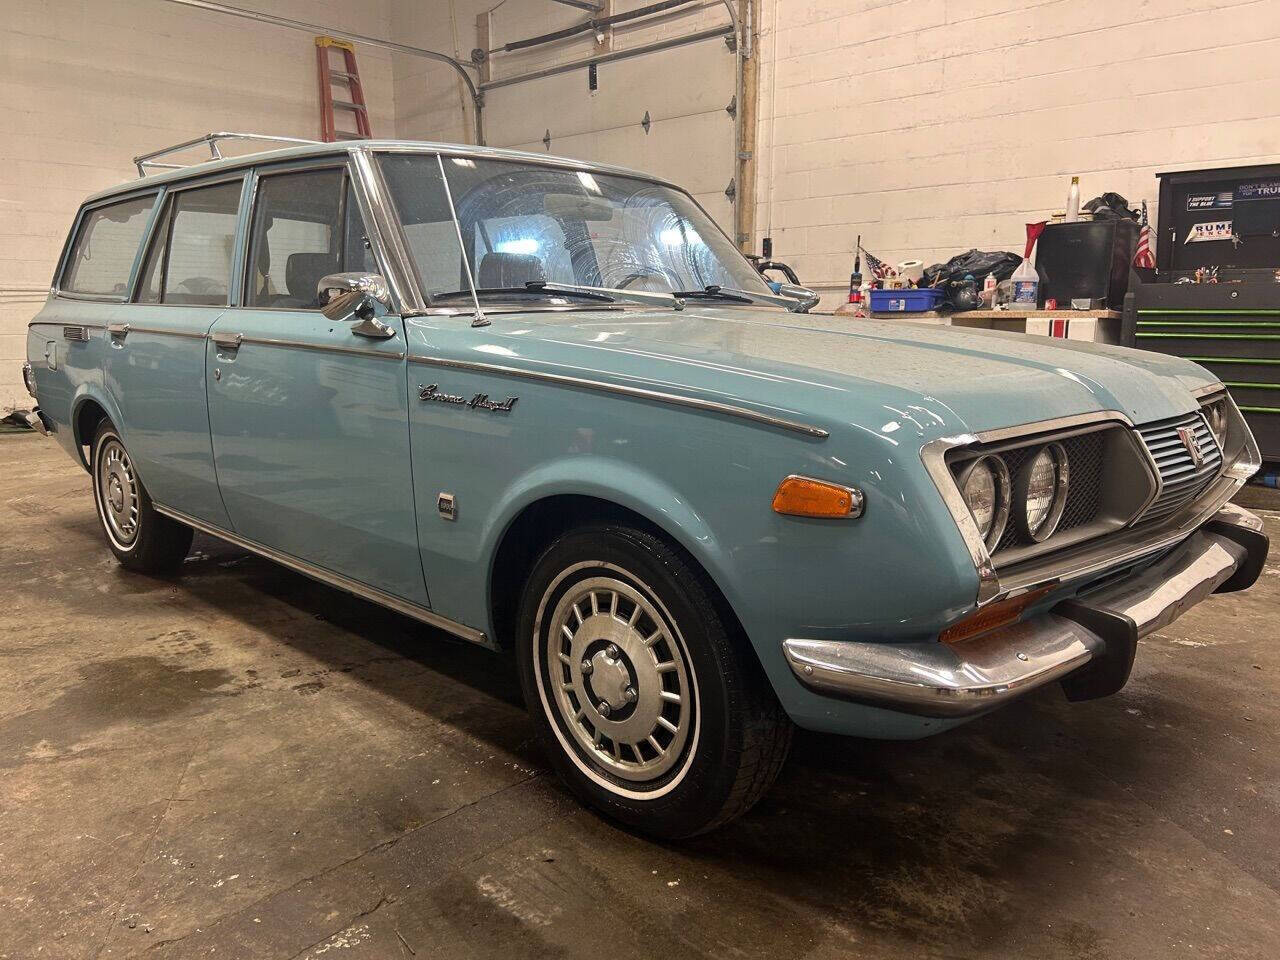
(620, 483)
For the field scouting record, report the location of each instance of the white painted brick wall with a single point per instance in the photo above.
(933, 126)
(88, 84)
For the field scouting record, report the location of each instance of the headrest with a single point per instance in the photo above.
(303, 273)
(509, 270)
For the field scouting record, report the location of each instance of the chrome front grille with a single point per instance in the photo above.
(1181, 478)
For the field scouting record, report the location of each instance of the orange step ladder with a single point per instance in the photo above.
(348, 75)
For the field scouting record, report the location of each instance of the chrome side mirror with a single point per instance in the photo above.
(356, 296)
(806, 297)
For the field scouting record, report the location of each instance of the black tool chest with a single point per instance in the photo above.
(1231, 327)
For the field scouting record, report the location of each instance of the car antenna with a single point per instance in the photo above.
(479, 320)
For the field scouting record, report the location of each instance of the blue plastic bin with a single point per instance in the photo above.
(905, 301)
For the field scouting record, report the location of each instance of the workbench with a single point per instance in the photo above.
(1097, 326)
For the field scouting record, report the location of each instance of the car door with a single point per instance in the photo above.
(309, 418)
(154, 363)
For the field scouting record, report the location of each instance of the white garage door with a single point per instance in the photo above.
(684, 90)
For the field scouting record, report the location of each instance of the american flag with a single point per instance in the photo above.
(1143, 257)
(879, 269)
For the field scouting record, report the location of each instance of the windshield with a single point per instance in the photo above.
(523, 225)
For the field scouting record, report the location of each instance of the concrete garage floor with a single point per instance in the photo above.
(242, 763)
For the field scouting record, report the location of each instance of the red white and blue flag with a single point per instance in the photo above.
(879, 269)
(1143, 256)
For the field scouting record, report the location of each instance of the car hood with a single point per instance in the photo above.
(960, 378)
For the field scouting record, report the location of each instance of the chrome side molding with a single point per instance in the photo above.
(642, 393)
(355, 587)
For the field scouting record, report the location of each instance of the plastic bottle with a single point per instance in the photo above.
(1073, 201)
(989, 291)
(1026, 287)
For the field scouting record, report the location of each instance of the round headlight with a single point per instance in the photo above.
(984, 484)
(1216, 414)
(1041, 492)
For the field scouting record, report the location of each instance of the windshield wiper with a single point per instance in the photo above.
(714, 292)
(535, 288)
(800, 303)
(609, 293)
(581, 291)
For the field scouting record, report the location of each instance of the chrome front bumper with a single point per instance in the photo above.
(1088, 641)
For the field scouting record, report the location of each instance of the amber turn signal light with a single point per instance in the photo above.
(806, 497)
(999, 614)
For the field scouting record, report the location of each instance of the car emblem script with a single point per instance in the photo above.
(480, 401)
(1188, 437)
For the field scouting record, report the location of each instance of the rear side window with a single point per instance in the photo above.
(190, 258)
(104, 249)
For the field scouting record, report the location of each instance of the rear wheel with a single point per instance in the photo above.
(142, 539)
(649, 706)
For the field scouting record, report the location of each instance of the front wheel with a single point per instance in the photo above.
(142, 539)
(650, 705)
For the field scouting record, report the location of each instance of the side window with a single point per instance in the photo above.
(424, 213)
(356, 253)
(297, 238)
(105, 248)
(190, 258)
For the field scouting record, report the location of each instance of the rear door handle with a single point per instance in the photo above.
(228, 341)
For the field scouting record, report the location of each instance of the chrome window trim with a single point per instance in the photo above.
(468, 152)
(166, 194)
(561, 163)
(284, 168)
(390, 248)
(355, 587)
(85, 209)
(642, 393)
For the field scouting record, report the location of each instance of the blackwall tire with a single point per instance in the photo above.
(651, 707)
(142, 539)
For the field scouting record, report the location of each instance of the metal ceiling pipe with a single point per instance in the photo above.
(477, 98)
(669, 43)
(596, 23)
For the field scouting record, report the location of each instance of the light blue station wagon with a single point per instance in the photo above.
(548, 407)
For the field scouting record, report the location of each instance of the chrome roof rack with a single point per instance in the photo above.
(147, 161)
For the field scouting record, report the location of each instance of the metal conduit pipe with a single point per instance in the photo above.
(588, 26)
(477, 98)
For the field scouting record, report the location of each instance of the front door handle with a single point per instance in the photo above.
(118, 331)
(228, 341)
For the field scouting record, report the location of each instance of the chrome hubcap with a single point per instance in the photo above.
(619, 679)
(118, 492)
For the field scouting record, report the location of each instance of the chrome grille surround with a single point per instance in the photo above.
(1105, 456)
(1096, 555)
(1181, 478)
